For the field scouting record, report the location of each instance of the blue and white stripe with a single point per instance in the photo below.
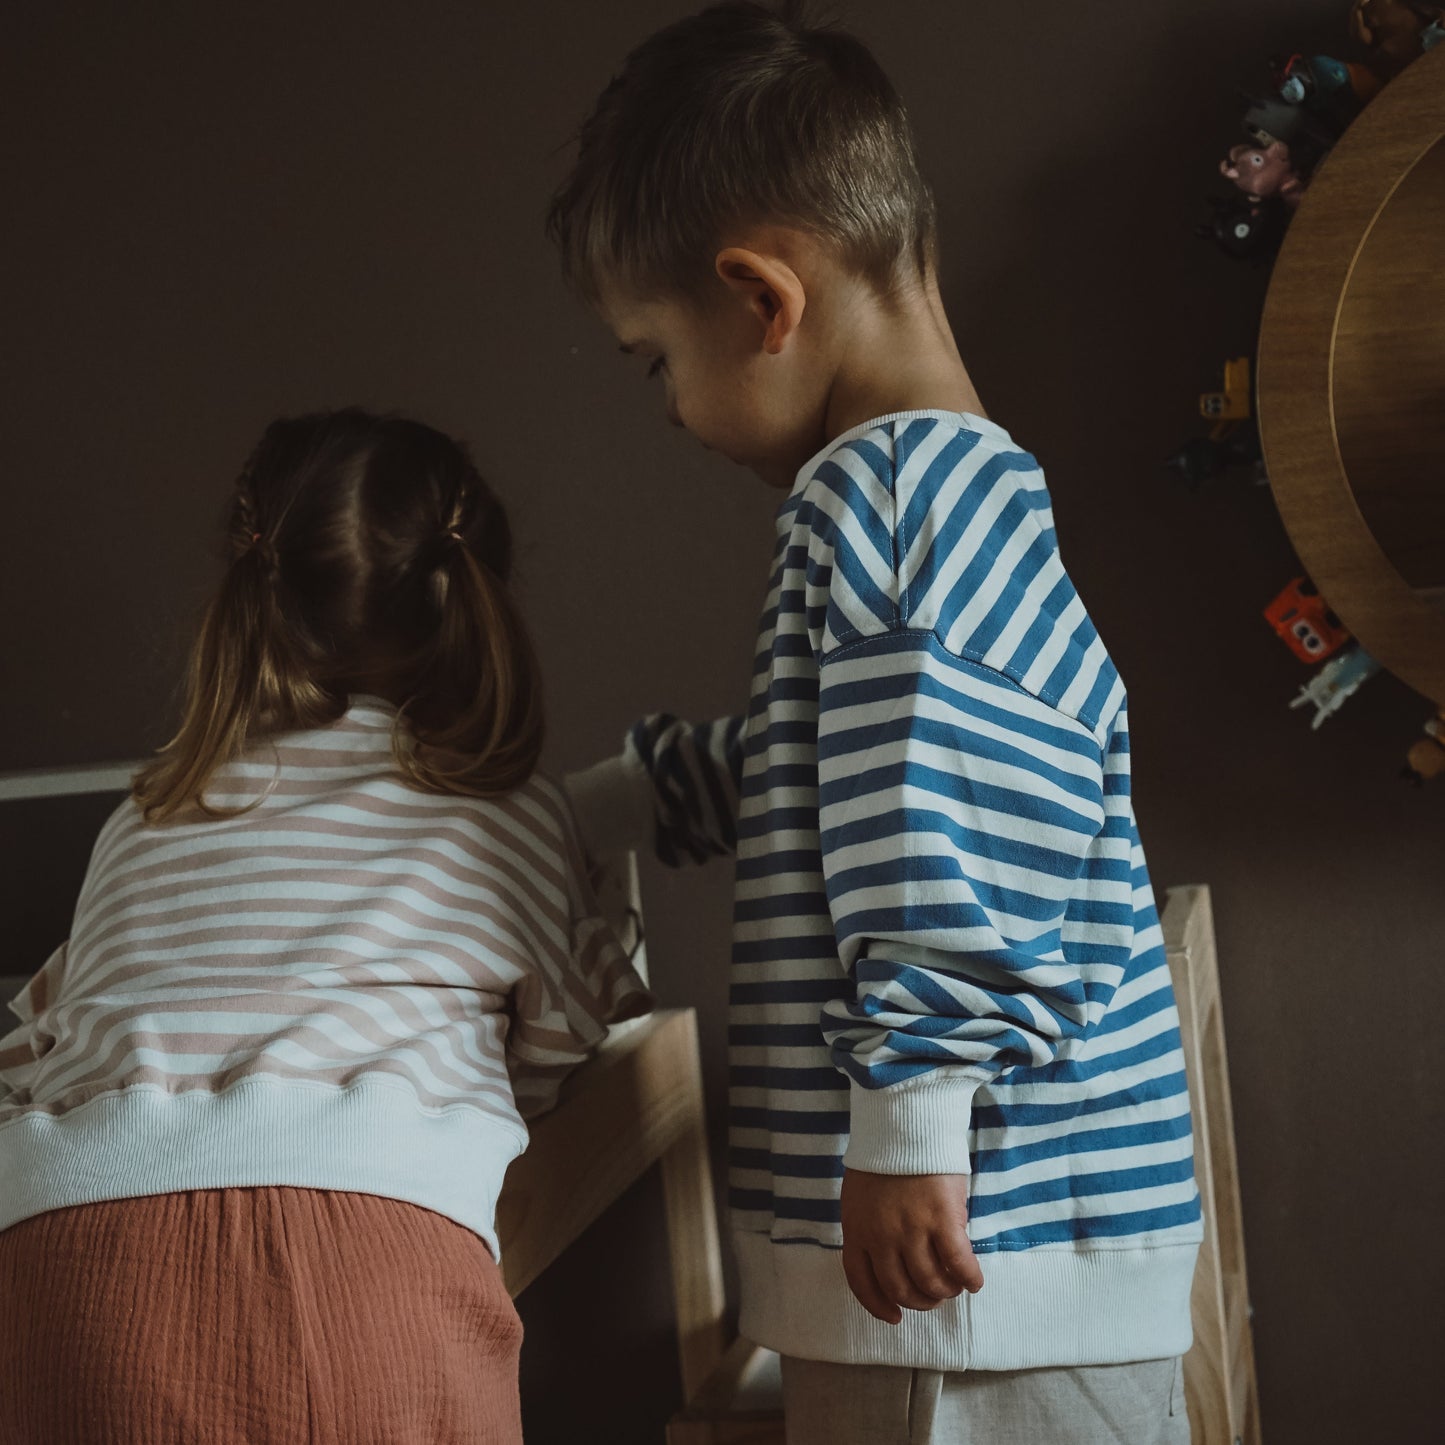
(947, 956)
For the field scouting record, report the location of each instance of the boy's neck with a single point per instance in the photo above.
(897, 355)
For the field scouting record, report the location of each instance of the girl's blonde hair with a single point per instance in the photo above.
(367, 556)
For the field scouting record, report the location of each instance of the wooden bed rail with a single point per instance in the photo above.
(636, 1103)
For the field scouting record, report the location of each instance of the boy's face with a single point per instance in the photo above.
(758, 403)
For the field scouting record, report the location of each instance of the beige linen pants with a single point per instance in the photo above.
(1136, 1404)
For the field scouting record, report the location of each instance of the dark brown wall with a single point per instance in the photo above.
(217, 213)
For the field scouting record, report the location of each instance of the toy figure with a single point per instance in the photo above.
(1336, 682)
(1264, 171)
(1305, 624)
(1329, 89)
(1233, 439)
(1234, 403)
(1394, 31)
(1202, 458)
(1426, 758)
(1271, 118)
(1308, 134)
(1244, 229)
(1305, 78)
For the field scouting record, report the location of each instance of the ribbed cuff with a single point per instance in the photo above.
(912, 1128)
(614, 806)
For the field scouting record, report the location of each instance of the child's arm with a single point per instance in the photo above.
(17, 1052)
(957, 811)
(672, 790)
(561, 1009)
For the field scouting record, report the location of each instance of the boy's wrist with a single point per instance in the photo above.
(912, 1128)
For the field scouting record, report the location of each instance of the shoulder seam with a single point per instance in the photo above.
(903, 634)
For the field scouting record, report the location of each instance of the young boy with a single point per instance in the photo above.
(962, 1188)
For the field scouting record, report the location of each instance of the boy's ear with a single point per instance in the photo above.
(769, 288)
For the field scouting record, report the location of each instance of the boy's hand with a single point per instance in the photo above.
(904, 1241)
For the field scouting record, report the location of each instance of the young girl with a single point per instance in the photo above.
(338, 943)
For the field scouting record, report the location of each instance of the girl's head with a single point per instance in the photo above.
(367, 556)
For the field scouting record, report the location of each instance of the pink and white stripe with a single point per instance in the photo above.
(348, 930)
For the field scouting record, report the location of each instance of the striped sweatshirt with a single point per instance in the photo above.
(946, 952)
(353, 985)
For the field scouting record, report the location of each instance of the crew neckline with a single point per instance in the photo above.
(369, 702)
(970, 421)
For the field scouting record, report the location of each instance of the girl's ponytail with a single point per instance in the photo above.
(368, 556)
(246, 676)
(476, 713)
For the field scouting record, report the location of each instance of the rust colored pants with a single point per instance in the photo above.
(254, 1317)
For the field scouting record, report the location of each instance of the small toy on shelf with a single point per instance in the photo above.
(1235, 402)
(1336, 682)
(1305, 624)
(1201, 459)
(1247, 230)
(1395, 32)
(1271, 118)
(1233, 439)
(1426, 758)
(1333, 91)
(1264, 171)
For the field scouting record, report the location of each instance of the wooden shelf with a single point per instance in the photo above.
(1351, 377)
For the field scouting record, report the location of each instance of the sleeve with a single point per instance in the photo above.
(561, 1013)
(958, 814)
(18, 1047)
(673, 790)
(43, 988)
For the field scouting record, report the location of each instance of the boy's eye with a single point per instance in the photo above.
(656, 366)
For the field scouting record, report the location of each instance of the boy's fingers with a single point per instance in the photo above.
(930, 1277)
(892, 1275)
(955, 1251)
(866, 1289)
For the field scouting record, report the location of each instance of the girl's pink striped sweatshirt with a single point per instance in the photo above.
(354, 985)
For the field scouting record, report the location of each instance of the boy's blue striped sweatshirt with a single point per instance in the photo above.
(946, 952)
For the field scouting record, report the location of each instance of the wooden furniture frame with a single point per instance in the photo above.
(1302, 340)
(1219, 1380)
(637, 1103)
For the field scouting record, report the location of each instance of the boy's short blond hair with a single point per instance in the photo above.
(742, 113)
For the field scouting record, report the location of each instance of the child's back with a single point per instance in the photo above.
(334, 948)
(324, 991)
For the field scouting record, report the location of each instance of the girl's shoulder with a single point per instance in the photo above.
(539, 806)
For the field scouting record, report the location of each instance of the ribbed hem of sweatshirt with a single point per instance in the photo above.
(911, 1128)
(370, 1138)
(1068, 1305)
(613, 804)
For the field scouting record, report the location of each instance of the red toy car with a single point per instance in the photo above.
(1308, 628)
